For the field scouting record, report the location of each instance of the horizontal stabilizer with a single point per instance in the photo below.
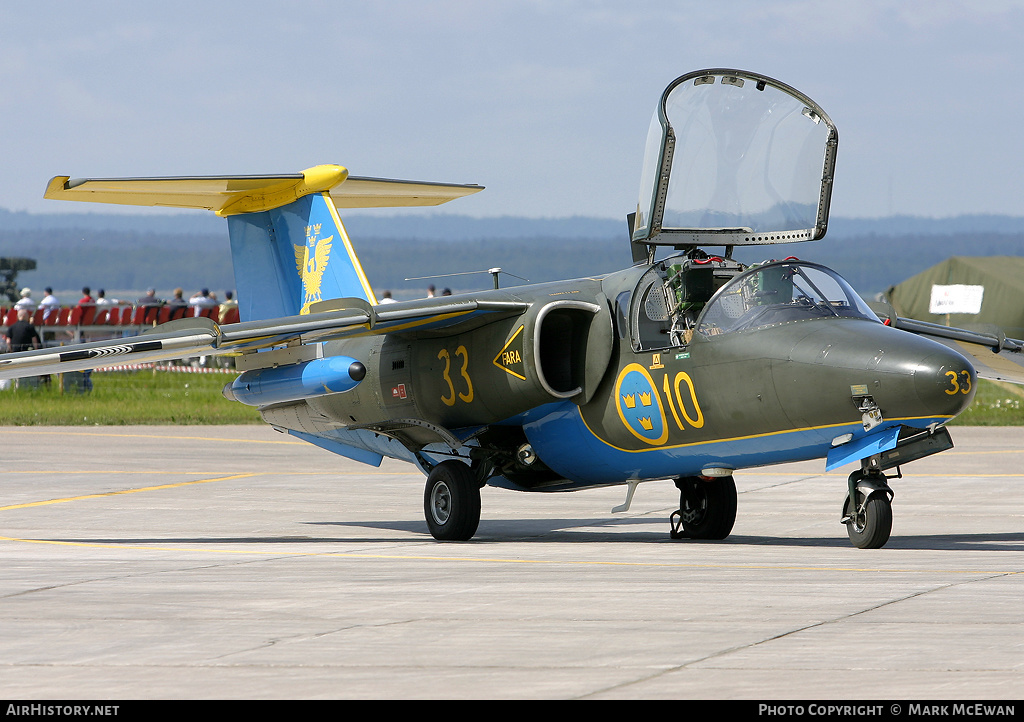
(995, 357)
(202, 337)
(233, 195)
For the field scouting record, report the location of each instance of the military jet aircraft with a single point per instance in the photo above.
(688, 367)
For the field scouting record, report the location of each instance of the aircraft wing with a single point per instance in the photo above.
(203, 337)
(995, 357)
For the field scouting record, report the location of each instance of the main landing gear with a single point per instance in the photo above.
(451, 501)
(868, 519)
(707, 508)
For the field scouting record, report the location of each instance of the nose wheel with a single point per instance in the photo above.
(868, 518)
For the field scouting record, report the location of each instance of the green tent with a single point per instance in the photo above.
(967, 292)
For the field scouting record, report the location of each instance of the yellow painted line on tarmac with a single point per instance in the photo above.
(141, 472)
(63, 432)
(518, 560)
(984, 453)
(124, 491)
(911, 477)
(164, 472)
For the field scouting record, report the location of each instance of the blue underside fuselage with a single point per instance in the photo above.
(562, 439)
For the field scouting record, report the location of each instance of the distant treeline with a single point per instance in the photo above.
(393, 249)
(441, 225)
(122, 260)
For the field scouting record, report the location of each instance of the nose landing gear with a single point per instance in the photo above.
(867, 511)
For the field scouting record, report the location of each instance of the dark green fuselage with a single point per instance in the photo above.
(625, 378)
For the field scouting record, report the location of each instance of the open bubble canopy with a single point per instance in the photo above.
(735, 158)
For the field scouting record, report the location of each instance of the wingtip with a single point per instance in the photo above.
(56, 185)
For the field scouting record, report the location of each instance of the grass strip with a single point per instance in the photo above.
(123, 398)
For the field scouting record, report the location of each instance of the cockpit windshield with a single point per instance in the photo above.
(781, 293)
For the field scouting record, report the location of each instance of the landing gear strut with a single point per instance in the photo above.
(707, 508)
(451, 501)
(868, 519)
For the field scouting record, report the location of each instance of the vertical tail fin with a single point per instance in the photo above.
(290, 257)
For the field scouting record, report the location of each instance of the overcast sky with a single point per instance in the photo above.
(545, 103)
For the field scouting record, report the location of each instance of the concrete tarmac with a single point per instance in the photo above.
(239, 563)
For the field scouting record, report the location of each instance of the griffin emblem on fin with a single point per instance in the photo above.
(311, 261)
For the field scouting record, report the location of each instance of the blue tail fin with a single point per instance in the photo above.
(290, 257)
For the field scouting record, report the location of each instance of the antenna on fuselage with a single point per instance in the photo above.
(493, 271)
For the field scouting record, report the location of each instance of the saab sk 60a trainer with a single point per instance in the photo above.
(688, 368)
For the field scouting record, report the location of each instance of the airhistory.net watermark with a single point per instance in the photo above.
(61, 710)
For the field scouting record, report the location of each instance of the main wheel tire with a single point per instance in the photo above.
(707, 507)
(451, 502)
(870, 529)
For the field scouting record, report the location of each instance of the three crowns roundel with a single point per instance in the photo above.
(639, 405)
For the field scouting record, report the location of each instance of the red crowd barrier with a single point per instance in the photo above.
(118, 316)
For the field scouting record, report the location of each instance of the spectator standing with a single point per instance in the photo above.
(178, 304)
(202, 300)
(49, 304)
(177, 299)
(26, 302)
(151, 305)
(149, 299)
(22, 335)
(229, 304)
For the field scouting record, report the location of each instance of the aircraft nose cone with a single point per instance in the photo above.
(945, 382)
